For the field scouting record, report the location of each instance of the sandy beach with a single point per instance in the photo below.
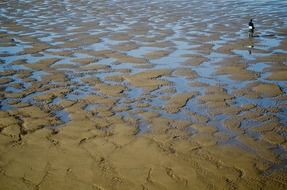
(146, 94)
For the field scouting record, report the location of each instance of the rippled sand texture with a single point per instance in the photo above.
(143, 94)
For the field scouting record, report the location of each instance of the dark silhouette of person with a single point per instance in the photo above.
(251, 28)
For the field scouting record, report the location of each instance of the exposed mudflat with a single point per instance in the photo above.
(123, 94)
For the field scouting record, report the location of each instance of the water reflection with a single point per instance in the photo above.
(250, 45)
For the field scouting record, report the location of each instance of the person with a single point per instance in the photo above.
(251, 28)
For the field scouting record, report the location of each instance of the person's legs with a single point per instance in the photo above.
(250, 33)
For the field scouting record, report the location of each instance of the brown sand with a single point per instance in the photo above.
(113, 95)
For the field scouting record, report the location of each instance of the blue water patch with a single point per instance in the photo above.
(258, 67)
(63, 116)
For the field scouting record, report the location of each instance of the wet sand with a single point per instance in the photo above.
(124, 94)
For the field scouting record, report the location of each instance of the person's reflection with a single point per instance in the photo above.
(250, 45)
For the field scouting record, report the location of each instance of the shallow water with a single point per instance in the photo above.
(80, 61)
